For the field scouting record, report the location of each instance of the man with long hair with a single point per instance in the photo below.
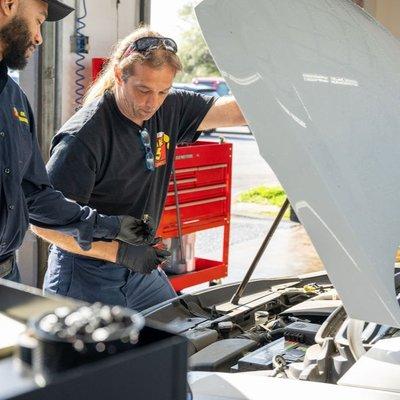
(116, 154)
(25, 190)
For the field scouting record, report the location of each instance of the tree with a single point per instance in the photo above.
(194, 53)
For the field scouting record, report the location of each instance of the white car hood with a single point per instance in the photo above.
(257, 386)
(319, 83)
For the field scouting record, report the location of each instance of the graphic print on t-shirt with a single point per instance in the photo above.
(162, 147)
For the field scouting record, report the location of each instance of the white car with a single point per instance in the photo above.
(319, 84)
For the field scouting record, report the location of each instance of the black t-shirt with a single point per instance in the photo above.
(98, 158)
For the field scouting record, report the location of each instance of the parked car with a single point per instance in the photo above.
(203, 89)
(212, 91)
(217, 84)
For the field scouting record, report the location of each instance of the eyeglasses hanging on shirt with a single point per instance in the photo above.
(146, 141)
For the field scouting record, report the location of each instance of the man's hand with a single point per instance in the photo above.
(142, 258)
(136, 231)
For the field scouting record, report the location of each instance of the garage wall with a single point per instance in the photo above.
(386, 12)
(106, 24)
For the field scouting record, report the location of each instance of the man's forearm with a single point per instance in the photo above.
(224, 112)
(49, 209)
(101, 250)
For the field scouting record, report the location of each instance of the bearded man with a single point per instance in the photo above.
(25, 191)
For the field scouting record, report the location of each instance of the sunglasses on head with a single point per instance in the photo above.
(146, 141)
(150, 43)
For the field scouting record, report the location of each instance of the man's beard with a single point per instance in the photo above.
(15, 36)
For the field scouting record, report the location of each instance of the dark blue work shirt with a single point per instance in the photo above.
(25, 191)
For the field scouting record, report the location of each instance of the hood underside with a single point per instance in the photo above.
(319, 84)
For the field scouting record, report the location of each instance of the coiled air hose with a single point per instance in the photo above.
(80, 67)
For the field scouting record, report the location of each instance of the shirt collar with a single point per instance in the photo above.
(110, 97)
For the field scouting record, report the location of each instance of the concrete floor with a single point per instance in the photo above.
(290, 252)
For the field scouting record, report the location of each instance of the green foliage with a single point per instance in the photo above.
(193, 52)
(264, 195)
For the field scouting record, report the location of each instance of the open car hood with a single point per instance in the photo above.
(319, 84)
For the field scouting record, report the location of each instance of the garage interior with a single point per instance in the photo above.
(55, 81)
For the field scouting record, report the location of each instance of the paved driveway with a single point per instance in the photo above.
(290, 252)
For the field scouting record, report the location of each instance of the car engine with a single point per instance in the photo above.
(295, 329)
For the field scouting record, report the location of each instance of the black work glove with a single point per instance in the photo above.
(136, 231)
(142, 258)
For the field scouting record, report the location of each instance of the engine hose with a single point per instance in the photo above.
(260, 338)
(80, 67)
(277, 333)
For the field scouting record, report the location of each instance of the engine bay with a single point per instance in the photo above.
(289, 328)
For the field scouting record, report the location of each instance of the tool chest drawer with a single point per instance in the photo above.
(203, 177)
(188, 196)
(193, 177)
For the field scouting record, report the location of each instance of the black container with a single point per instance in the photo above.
(54, 354)
(155, 368)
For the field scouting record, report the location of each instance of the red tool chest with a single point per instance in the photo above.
(204, 181)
